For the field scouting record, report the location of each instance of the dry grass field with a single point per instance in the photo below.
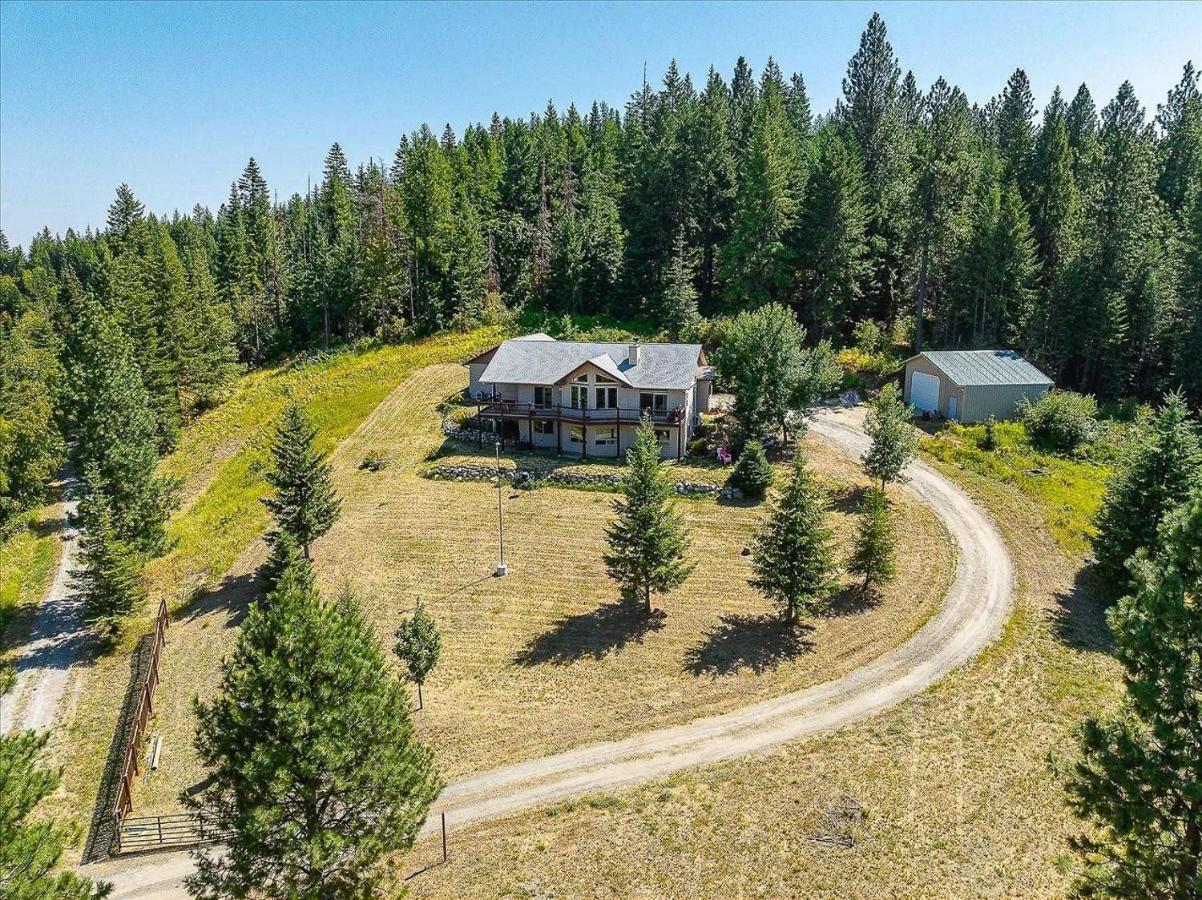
(546, 658)
(952, 794)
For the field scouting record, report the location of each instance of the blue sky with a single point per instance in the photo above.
(173, 98)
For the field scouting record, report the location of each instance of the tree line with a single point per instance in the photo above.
(1075, 236)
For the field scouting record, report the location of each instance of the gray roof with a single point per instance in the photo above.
(535, 359)
(967, 368)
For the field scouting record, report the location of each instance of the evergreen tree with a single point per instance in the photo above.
(418, 646)
(752, 473)
(712, 182)
(679, 299)
(1179, 119)
(1016, 133)
(874, 552)
(124, 212)
(1164, 465)
(894, 441)
(116, 429)
(317, 777)
(285, 555)
(944, 171)
(647, 538)
(31, 387)
(31, 846)
(304, 504)
(758, 263)
(793, 557)
(871, 112)
(109, 581)
(833, 238)
(1138, 778)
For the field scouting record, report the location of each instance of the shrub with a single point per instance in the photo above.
(1060, 420)
(374, 461)
(752, 474)
(989, 440)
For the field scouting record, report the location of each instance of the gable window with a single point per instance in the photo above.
(663, 436)
(544, 426)
(582, 379)
(544, 395)
(653, 402)
(603, 379)
(607, 398)
(580, 396)
(607, 437)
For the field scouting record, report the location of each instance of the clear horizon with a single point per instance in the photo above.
(174, 98)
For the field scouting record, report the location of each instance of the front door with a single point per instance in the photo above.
(953, 406)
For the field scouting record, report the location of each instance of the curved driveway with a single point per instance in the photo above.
(970, 618)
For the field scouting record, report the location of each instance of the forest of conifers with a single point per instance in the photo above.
(1074, 235)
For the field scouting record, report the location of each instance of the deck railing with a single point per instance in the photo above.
(591, 416)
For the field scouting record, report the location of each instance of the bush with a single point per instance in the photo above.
(989, 440)
(1060, 420)
(374, 461)
(752, 474)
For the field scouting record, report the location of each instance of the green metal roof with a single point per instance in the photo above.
(970, 368)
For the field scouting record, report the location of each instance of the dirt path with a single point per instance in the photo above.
(971, 617)
(44, 663)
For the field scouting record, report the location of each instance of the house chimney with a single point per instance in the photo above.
(634, 353)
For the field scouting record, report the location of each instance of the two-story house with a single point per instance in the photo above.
(587, 398)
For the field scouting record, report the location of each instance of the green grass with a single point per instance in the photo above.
(27, 559)
(1068, 491)
(223, 456)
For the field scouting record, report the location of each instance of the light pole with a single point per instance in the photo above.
(501, 569)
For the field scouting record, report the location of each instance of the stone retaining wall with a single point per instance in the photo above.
(527, 478)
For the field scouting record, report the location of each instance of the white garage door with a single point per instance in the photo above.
(924, 391)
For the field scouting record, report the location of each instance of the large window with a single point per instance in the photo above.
(544, 426)
(580, 396)
(663, 436)
(607, 398)
(653, 402)
(544, 395)
(607, 437)
(576, 435)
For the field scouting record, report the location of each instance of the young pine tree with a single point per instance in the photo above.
(116, 428)
(647, 540)
(31, 846)
(894, 442)
(418, 646)
(1163, 468)
(1138, 778)
(305, 505)
(794, 556)
(752, 473)
(109, 580)
(317, 777)
(285, 554)
(873, 556)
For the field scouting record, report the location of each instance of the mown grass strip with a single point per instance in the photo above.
(223, 456)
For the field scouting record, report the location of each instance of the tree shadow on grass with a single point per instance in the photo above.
(848, 500)
(759, 643)
(590, 635)
(232, 597)
(1080, 617)
(851, 600)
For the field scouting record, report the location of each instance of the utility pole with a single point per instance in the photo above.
(501, 569)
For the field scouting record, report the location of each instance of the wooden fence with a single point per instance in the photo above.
(129, 764)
